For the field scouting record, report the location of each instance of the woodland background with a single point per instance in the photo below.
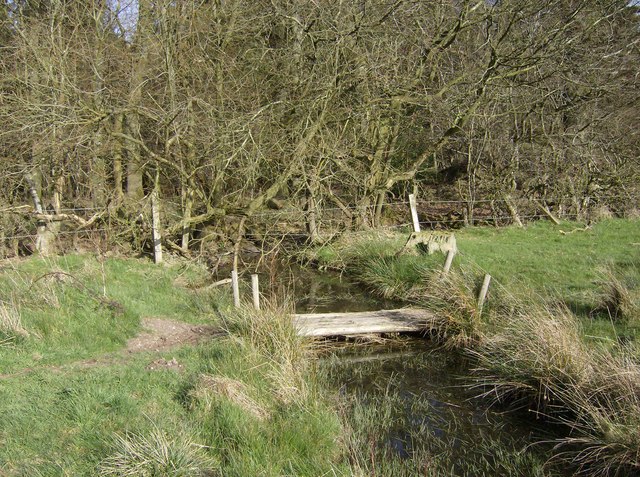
(267, 118)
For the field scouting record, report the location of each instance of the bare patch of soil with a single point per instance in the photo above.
(158, 364)
(161, 334)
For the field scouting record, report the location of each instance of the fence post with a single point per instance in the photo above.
(483, 293)
(447, 264)
(414, 213)
(155, 231)
(255, 291)
(236, 288)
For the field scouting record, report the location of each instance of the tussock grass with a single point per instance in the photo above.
(270, 333)
(539, 361)
(11, 329)
(452, 297)
(156, 454)
(536, 352)
(208, 390)
(618, 296)
(390, 277)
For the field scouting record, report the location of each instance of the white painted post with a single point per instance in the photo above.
(483, 292)
(414, 213)
(155, 217)
(255, 291)
(236, 288)
(447, 264)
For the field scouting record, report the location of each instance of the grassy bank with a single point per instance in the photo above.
(558, 336)
(74, 401)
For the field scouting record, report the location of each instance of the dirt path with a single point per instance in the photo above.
(161, 334)
(158, 335)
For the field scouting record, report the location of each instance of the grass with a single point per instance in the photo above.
(243, 405)
(80, 307)
(253, 403)
(566, 263)
(541, 258)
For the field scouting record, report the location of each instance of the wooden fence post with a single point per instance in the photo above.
(255, 291)
(414, 213)
(483, 292)
(236, 288)
(447, 264)
(155, 231)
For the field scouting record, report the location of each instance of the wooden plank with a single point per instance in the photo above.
(345, 324)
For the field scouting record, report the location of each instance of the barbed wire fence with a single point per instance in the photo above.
(434, 214)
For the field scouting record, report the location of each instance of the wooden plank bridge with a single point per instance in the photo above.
(362, 323)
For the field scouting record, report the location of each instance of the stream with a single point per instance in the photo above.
(415, 397)
(410, 400)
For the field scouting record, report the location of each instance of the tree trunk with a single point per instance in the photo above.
(135, 190)
(512, 211)
(312, 226)
(135, 170)
(118, 193)
(187, 200)
(377, 219)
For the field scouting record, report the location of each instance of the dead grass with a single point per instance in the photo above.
(157, 454)
(209, 389)
(11, 328)
(616, 297)
(270, 333)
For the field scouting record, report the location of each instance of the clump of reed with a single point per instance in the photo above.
(157, 453)
(538, 360)
(270, 332)
(209, 389)
(452, 297)
(391, 277)
(423, 449)
(11, 328)
(617, 297)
